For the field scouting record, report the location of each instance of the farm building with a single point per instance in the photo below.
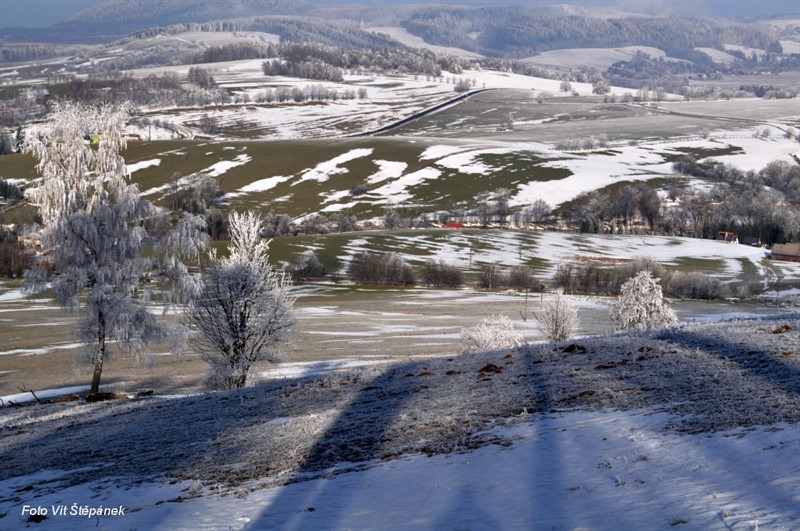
(786, 251)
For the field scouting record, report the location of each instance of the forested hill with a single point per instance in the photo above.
(112, 19)
(519, 32)
(500, 31)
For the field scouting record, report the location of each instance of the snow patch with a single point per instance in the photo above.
(215, 170)
(130, 168)
(324, 170)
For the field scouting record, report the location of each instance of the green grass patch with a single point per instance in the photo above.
(289, 159)
(702, 153)
(701, 265)
(18, 166)
(21, 214)
(749, 269)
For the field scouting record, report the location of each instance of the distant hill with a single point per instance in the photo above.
(490, 29)
(112, 19)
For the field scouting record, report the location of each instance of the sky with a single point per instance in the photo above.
(43, 13)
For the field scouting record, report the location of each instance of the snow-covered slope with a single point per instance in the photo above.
(697, 427)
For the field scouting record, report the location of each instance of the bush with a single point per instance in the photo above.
(493, 333)
(388, 269)
(306, 265)
(358, 190)
(463, 86)
(439, 274)
(10, 191)
(201, 77)
(521, 278)
(197, 197)
(209, 125)
(693, 285)
(559, 317)
(14, 259)
(641, 305)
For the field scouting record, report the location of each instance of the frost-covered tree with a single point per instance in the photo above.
(95, 229)
(493, 333)
(641, 304)
(559, 317)
(244, 310)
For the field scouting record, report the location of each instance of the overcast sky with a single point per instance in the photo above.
(42, 13)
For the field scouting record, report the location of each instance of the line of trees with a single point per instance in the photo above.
(165, 90)
(488, 208)
(308, 93)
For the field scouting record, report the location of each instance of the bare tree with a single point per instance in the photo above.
(95, 229)
(539, 210)
(501, 198)
(491, 277)
(244, 310)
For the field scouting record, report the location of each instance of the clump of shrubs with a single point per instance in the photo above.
(439, 274)
(692, 285)
(358, 190)
(597, 278)
(380, 269)
(518, 277)
(305, 266)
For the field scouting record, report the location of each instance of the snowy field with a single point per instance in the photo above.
(597, 58)
(305, 177)
(389, 98)
(692, 428)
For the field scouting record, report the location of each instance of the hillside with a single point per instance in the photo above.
(497, 30)
(695, 426)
